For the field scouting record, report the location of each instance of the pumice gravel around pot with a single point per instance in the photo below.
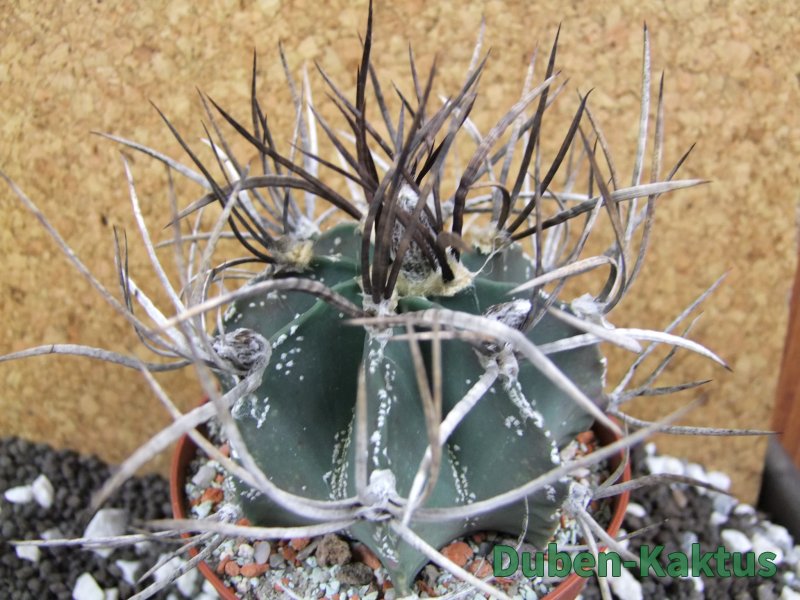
(391, 356)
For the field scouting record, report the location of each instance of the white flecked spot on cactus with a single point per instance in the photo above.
(386, 401)
(261, 416)
(229, 312)
(463, 494)
(555, 457)
(550, 493)
(387, 540)
(336, 479)
(525, 406)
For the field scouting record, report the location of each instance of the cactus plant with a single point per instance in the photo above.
(409, 373)
(299, 424)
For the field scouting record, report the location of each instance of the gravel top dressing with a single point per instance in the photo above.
(45, 494)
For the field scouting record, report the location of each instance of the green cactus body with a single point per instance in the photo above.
(299, 424)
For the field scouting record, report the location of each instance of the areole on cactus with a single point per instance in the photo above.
(403, 374)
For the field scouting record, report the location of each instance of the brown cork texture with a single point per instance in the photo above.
(68, 68)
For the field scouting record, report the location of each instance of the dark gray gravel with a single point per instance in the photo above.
(662, 504)
(74, 478)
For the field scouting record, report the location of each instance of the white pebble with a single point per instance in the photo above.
(187, 583)
(780, 535)
(717, 518)
(30, 553)
(736, 541)
(128, 568)
(167, 570)
(744, 509)
(208, 589)
(54, 533)
(650, 448)
(261, 552)
(86, 588)
(112, 594)
(636, 510)
(245, 551)
(319, 575)
(624, 543)
(390, 594)
(43, 491)
(664, 464)
(723, 503)
(793, 556)
(626, 587)
(719, 479)
(202, 510)
(143, 547)
(762, 543)
(580, 473)
(697, 472)
(699, 585)
(21, 494)
(204, 476)
(107, 522)
(332, 587)
(687, 539)
(788, 593)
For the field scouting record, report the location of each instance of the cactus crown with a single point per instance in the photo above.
(396, 375)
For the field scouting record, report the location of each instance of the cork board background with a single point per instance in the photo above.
(67, 68)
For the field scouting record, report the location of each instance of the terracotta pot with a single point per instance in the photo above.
(568, 589)
(573, 585)
(185, 452)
